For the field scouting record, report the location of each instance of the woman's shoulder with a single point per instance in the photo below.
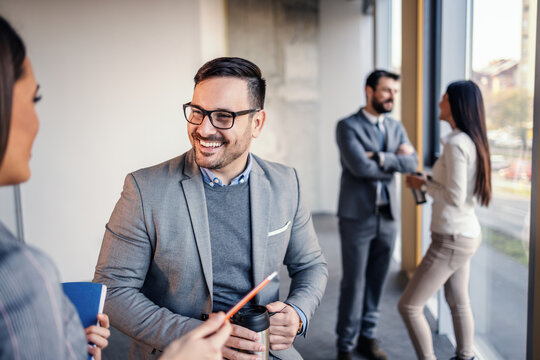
(10, 247)
(34, 304)
(461, 140)
(23, 265)
(459, 146)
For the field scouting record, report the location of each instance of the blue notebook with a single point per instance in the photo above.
(88, 298)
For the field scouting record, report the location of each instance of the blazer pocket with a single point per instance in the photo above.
(280, 230)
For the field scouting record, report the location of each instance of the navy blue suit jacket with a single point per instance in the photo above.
(356, 136)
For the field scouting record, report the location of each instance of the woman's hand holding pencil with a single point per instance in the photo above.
(204, 342)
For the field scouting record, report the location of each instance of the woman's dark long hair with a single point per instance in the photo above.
(467, 108)
(12, 54)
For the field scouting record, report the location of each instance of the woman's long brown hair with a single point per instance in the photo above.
(467, 106)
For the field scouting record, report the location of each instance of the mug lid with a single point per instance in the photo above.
(253, 317)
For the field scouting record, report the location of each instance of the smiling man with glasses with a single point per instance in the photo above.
(193, 235)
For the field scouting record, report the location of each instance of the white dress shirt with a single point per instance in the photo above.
(452, 187)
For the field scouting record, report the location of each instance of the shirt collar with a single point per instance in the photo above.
(211, 179)
(373, 118)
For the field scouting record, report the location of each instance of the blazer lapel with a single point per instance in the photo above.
(368, 128)
(391, 140)
(259, 192)
(196, 200)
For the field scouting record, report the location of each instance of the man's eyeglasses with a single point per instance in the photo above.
(220, 119)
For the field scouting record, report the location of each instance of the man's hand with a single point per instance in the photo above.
(405, 149)
(283, 325)
(98, 336)
(369, 154)
(242, 339)
(204, 342)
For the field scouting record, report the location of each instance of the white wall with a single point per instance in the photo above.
(113, 75)
(346, 58)
(212, 27)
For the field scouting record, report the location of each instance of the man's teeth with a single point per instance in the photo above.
(210, 144)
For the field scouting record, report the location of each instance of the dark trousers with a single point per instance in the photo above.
(366, 251)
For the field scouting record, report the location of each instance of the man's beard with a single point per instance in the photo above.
(379, 106)
(231, 152)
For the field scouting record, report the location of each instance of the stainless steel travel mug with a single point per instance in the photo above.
(419, 196)
(255, 318)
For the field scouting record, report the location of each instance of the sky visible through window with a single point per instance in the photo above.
(496, 31)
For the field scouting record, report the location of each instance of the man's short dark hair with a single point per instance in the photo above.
(239, 68)
(373, 79)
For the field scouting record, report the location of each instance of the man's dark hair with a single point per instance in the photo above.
(373, 79)
(239, 68)
(12, 54)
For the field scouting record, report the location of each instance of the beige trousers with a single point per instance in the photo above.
(447, 262)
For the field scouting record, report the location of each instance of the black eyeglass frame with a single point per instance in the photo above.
(209, 114)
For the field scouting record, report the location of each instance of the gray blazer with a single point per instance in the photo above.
(355, 136)
(156, 256)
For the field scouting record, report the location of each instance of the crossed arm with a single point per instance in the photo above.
(374, 165)
(403, 149)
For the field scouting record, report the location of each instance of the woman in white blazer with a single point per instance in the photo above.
(461, 177)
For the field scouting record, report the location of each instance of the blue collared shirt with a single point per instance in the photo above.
(211, 179)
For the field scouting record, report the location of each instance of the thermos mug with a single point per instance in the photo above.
(419, 196)
(255, 318)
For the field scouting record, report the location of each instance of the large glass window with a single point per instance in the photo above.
(502, 64)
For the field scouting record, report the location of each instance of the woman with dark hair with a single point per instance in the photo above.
(36, 320)
(460, 178)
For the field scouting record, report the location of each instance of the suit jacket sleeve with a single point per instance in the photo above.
(353, 155)
(123, 263)
(305, 262)
(400, 163)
